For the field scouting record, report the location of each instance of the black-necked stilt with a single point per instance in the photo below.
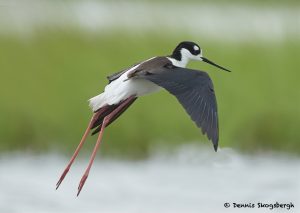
(193, 89)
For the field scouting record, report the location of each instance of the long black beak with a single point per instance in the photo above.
(212, 63)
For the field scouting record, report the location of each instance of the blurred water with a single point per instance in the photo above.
(230, 21)
(192, 179)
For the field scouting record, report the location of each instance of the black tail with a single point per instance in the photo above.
(107, 111)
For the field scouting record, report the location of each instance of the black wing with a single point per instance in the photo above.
(116, 75)
(194, 90)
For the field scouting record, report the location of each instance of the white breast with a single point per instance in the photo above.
(122, 88)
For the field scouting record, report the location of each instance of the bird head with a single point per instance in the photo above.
(188, 50)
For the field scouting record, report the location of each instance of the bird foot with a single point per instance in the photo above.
(82, 181)
(62, 177)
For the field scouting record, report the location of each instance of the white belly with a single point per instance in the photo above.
(120, 89)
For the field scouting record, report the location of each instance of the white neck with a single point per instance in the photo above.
(185, 58)
(176, 63)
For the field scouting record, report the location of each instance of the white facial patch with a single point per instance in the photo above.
(196, 47)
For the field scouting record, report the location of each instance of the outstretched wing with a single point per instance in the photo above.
(194, 90)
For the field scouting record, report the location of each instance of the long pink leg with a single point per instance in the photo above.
(105, 122)
(93, 119)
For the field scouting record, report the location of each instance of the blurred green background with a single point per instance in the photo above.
(48, 73)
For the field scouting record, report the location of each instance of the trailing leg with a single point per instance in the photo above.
(106, 121)
(91, 123)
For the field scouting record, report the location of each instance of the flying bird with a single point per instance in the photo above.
(193, 89)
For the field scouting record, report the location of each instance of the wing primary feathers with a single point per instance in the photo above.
(194, 90)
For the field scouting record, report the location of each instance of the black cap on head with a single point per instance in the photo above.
(192, 47)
